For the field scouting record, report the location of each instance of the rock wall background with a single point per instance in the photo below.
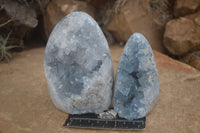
(171, 26)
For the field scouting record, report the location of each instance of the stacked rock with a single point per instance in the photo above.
(79, 70)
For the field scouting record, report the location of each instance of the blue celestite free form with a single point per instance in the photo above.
(136, 86)
(78, 66)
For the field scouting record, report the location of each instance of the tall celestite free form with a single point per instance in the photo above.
(136, 84)
(78, 66)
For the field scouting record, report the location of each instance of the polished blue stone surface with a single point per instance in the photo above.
(136, 86)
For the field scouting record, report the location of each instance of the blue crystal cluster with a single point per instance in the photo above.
(78, 66)
(136, 84)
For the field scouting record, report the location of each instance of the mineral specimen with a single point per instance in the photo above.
(136, 84)
(78, 66)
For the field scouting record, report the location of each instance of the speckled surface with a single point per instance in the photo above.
(78, 66)
(136, 83)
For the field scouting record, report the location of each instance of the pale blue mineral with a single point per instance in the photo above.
(78, 66)
(136, 84)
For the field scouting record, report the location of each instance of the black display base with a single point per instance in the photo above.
(92, 121)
